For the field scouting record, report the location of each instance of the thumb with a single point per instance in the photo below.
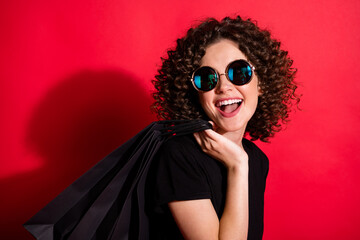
(214, 126)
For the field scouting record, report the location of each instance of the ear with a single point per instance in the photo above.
(260, 91)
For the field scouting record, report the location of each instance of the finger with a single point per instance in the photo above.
(211, 134)
(214, 126)
(210, 140)
(203, 140)
(199, 137)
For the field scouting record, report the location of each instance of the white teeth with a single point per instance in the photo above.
(228, 102)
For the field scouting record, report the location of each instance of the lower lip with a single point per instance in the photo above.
(229, 115)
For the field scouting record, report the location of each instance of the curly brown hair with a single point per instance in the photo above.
(175, 97)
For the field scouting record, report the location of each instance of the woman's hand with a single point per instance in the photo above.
(221, 148)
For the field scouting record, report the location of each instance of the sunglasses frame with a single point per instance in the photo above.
(226, 74)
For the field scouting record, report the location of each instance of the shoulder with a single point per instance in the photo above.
(252, 148)
(176, 172)
(257, 158)
(182, 156)
(180, 146)
(179, 150)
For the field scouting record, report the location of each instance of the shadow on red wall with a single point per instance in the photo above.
(75, 125)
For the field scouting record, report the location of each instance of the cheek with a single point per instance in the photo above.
(205, 100)
(202, 98)
(258, 88)
(254, 88)
(254, 100)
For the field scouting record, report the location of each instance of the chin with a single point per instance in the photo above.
(231, 127)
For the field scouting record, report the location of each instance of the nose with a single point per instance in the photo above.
(224, 84)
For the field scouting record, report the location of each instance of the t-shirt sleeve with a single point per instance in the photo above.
(178, 175)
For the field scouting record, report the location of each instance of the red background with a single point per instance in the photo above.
(75, 83)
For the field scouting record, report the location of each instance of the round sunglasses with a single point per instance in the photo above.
(238, 72)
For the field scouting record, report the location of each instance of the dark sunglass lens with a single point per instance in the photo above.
(239, 72)
(205, 79)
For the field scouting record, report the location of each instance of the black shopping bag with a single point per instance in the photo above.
(107, 202)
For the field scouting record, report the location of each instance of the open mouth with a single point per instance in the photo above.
(228, 106)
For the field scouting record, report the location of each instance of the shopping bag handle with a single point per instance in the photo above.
(183, 127)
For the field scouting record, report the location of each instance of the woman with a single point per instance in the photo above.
(211, 185)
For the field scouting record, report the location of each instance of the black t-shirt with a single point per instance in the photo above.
(182, 171)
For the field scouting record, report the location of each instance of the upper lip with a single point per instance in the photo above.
(227, 101)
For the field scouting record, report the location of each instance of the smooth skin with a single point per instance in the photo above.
(197, 219)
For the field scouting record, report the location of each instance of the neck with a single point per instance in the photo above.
(235, 136)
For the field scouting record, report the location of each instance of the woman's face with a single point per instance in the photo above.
(241, 101)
